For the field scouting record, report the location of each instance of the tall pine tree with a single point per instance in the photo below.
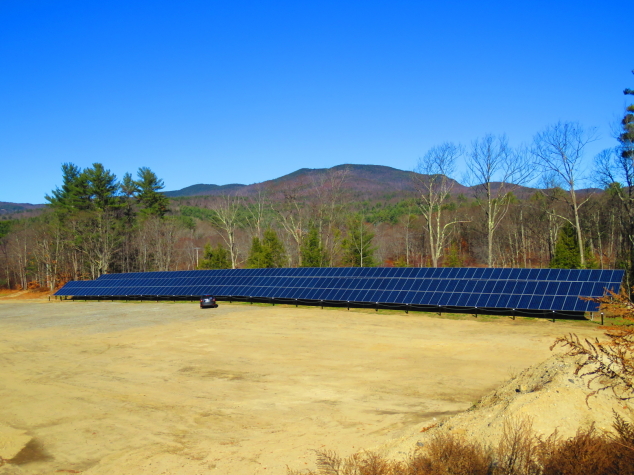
(269, 252)
(566, 254)
(626, 138)
(312, 251)
(152, 201)
(217, 258)
(358, 250)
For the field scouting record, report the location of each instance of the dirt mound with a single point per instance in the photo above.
(549, 394)
(12, 441)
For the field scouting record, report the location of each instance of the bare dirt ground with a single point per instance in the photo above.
(161, 388)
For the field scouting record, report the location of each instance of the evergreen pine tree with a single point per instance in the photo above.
(453, 258)
(566, 254)
(103, 188)
(626, 150)
(626, 138)
(357, 246)
(312, 252)
(217, 258)
(149, 197)
(256, 259)
(269, 252)
(74, 194)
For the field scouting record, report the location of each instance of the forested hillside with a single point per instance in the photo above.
(350, 215)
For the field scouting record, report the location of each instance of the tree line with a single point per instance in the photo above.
(96, 224)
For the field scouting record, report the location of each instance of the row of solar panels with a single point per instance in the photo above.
(245, 285)
(578, 275)
(313, 285)
(444, 299)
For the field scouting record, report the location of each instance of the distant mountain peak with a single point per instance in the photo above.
(202, 189)
(362, 180)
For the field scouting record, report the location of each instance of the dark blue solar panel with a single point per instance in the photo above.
(523, 274)
(538, 274)
(481, 300)
(477, 286)
(535, 301)
(460, 299)
(574, 275)
(495, 298)
(467, 273)
(411, 296)
(451, 285)
(433, 285)
(554, 274)
(530, 289)
(586, 288)
(333, 294)
(551, 288)
(408, 272)
(419, 273)
(547, 302)
(488, 286)
(498, 286)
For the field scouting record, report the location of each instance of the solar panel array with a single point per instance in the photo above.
(506, 289)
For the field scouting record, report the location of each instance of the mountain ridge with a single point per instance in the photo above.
(362, 181)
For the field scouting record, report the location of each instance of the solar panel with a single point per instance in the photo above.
(467, 289)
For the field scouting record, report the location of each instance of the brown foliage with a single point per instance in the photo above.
(519, 452)
(451, 455)
(518, 449)
(589, 453)
(609, 362)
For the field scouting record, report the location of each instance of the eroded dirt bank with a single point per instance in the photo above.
(116, 388)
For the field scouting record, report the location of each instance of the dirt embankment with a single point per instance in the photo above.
(550, 396)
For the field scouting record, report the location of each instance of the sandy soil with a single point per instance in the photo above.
(550, 398)
(145, 388)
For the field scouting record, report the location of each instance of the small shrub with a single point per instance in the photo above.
(519, 452)
(450, 455)
(518, 448)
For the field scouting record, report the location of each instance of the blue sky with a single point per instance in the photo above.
(241, 92)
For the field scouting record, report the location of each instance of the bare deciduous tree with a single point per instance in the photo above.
(48, 248)
(291, 213)
(98, 239)
(226, 219)
(496, 171)
(329, 190)
(559, 149)
(434, 185)
(257, 207)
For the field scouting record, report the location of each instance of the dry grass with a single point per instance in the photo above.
(24, 294)
(519, 452)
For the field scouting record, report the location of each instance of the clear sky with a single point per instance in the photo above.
(241, 92)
